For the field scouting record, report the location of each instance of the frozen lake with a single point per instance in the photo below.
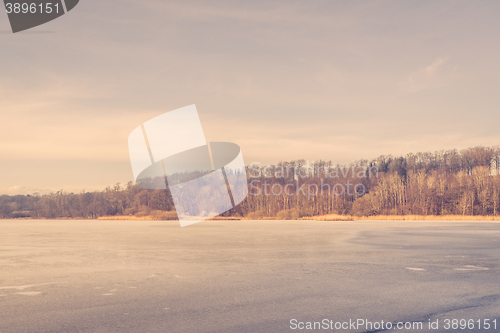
(246, 276)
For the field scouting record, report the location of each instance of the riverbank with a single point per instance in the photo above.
(330, 217)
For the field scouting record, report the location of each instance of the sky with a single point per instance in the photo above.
(285, 80)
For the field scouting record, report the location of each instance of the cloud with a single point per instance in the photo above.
(436, 64)
(284, 80)
(435, 75)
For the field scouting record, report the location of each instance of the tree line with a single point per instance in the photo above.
(451, 182)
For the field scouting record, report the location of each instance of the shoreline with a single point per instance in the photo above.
(330, 217)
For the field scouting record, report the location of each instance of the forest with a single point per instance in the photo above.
(452, 182)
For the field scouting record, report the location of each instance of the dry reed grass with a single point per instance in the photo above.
(430, 218)
(329, 217)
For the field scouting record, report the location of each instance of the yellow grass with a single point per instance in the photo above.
(156, 215)
(334, 217)
(127, 217)
(228, 218)
(329, 217)
(431, 217)
(156, 218)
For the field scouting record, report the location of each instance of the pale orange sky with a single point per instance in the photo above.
(283, 79)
